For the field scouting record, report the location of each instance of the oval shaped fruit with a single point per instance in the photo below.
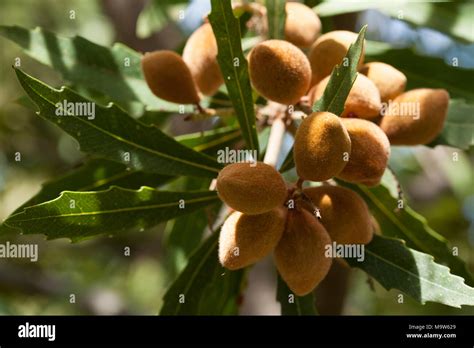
(200, 54)
(245, 239)
(363, 100)
(169, 77)
(279, 71)
(251, 188)
(389, 81)
(416, 117)
(321, 146)
(300, 253)
(328, 51)
(344, 214)
(302, 25)
(370, 151)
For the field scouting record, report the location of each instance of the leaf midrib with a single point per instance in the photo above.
(111, 211)
(119, 138)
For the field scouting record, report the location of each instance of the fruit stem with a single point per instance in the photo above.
(275, 140)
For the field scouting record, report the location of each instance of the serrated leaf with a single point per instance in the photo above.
(395, 266)
(276, 16)
(79, 215)
(342, 78)
(408, 225)
(452, 18)
(234, 68)
(458, 130)
(115, 72)
(204, 287)
(113, 134)
(294, 305)
(419, 70)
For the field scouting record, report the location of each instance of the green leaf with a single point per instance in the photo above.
(458, 128)
(115, 72)
(276, 15)
(408, 225)
(338, 88)
(113, 134)
(156, 14)
(96, 175)
(292, 304)
(452, 18)
(342, 79)
(186, 232)
(204, 287)
(395, 266)
(79, 215)
(419, 70)
(211, 141)
(234, 68)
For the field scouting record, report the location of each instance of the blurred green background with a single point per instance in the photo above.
(102, 278)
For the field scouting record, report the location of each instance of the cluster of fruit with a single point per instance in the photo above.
(353, 146)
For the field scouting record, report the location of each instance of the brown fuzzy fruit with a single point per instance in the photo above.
(246, 239)
(250, 188)
(321, 145)
(370, 151)
(329, 51)
(300, 254)
(169, 77)
(389, 81)
(363, 100)
(200, 54)
(416, 117)
(279, 71)
(344, 214)
(302, 25)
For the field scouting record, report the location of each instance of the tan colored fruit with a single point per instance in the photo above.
(246, 239)
(416, 117)
(389, 81)
(321, 145)
(302, 25)
(200, 54)
(250, 188)
(169, 77)
(363, 100)
(329, 51)
(300, 254)
(279, 71)
(344, 214)
(370, 151)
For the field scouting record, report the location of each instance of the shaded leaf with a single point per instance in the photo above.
(408, 225)
(294, 305)
(115, 71)
(79, 215)
(276, 16)
(420, 70)
(205, 287)
(458, 128)
(234, 68)
(451, 17)
(113, 134)
(395, 266)
(211, 141)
